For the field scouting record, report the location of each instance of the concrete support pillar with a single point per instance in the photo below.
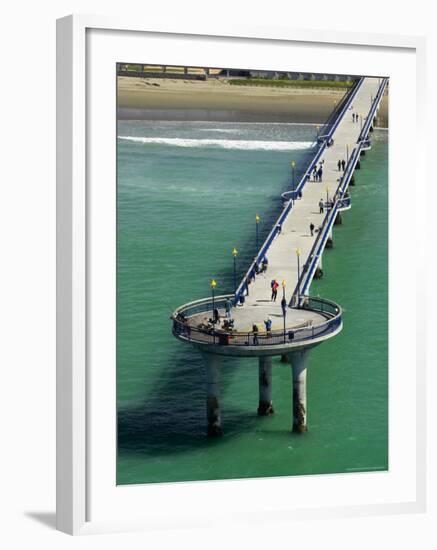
(284, 358)
(299, 363)
(358, 165)
(352, 181)
(338, 219)
(212, 367)
(265, 386)
(329, 240)
(318, 274)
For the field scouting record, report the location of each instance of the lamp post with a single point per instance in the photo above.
(361, 122)
(317, 128)
(293, 165)
(213, 284)
(347, 155)
(284, 305)
(257, 220)
(327, 196)
(234, 254)
(298, 274)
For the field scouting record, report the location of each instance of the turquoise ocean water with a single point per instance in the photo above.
(187, 194)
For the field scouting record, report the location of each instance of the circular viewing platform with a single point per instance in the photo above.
(314, 321)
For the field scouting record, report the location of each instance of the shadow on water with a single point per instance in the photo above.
(173, 416)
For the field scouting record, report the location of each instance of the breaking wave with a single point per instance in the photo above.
(243, 145)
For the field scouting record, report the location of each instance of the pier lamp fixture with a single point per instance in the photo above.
(234, 254)
(293, 180)
(327, 195)
(298, 273)
(283, 308)
(257, 220)
(213, 284)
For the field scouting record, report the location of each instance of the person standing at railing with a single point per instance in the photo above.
(255, 334)
(343, 164)
(320, 174)
(312, 229)
(268, 325)
(284, 306)
(339, 165)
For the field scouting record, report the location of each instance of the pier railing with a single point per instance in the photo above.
(339, 202)
(324, 138)
(184, 325)
(289, 196)
(336, 116)
(375, 103)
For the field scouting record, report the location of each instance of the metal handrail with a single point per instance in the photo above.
(181, 327)
(322, 236)
(244, 284)
(376, 100)
(347, 100)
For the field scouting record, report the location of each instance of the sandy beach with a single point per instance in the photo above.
(166, 99)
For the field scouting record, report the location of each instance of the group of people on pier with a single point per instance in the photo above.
(341, 165)
(318, 172)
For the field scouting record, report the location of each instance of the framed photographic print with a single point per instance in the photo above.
(232, 283)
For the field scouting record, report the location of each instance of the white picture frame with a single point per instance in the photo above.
(74, 342)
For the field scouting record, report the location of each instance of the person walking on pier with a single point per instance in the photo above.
(319, 174)
(343, 164)
(284, 306)
(312, 229)
(321, 208)
(275, 287)
(315, 173)
(339, 165)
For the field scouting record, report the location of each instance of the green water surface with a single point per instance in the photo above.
(181, 210)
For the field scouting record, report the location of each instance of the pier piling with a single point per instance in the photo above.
(265, 406)
(212, 367)
(299, 363)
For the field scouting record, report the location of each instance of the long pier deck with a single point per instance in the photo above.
(291, 250)
(295, 233)
(294, 255)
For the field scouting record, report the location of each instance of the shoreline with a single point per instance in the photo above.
(217, 101)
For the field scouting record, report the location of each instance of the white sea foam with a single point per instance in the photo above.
(244, 145)
(221, 130)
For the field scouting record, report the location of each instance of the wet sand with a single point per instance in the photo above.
(166, 99)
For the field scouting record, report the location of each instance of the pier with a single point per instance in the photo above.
(248, 323)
